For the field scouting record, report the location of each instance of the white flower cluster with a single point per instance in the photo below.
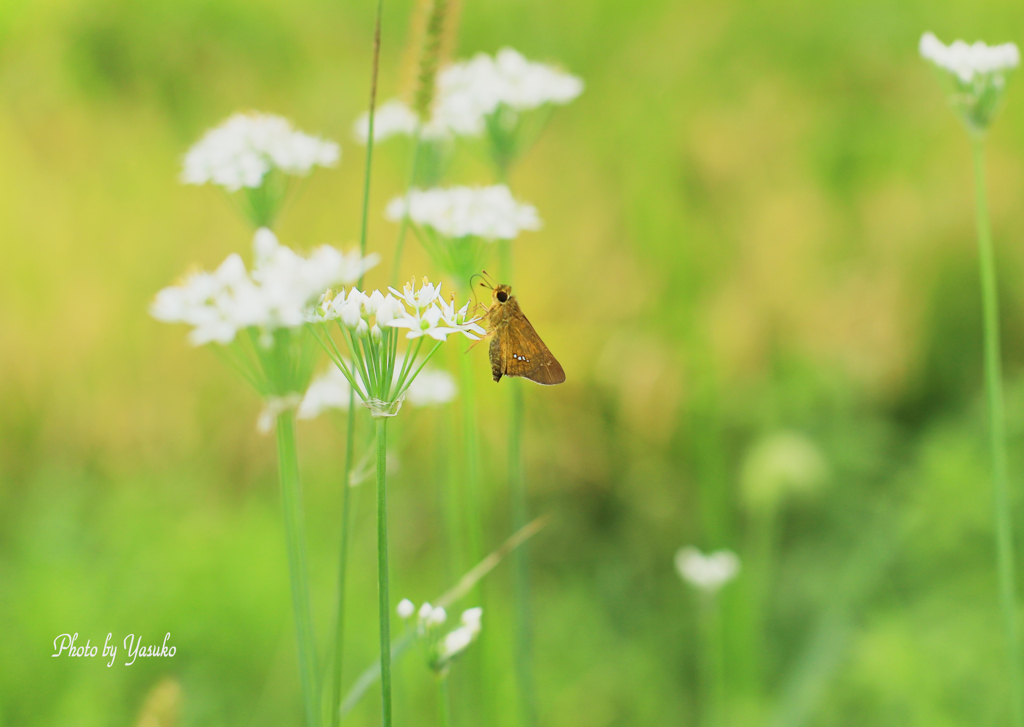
(423, 311)
(459, 639)
(391, 118)
(709, 572)
(967, 61)
(431, 617)
(331, 390)
(239, 152)
(483, 83)
(491, 213)
(276, 293)
(469, 91)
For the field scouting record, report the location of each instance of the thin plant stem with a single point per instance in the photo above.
(369, 140)
(454, 594)
(339, 626)
(384, 599)
(997, 433)
(444, 700)
(471, 450)
(291, 498)
(713, 676)
(520, 515)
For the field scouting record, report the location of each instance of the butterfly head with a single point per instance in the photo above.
(501, 293)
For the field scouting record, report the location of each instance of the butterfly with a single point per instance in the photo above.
(516, 349)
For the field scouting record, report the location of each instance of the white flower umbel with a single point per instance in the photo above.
(257, 317)
(494, 94)
(392, 118)
(457, 640)
(276, 293)
(486, 93)
(242, 150)
(976, 76)
(256, 152)
(330, 390)
(707, 573)
(370, 327)
(455, 223)
(469, 91)
(491, 213)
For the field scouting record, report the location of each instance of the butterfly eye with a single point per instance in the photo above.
(502, 296)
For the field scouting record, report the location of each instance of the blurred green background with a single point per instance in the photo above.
(757, 268)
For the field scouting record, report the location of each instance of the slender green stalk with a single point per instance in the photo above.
(448, 491)
(997, 432)
(339, 626)
(713, 672)
(291, 498)
(471, 450)
(444, 700)
(520, 515)
(457, 592)
(369, 140)
(384, 598)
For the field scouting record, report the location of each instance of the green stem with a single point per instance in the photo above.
(444, 700)
(448, 491)
(382, 570)
(291, 499)
(471, 450)
(713, 678)
(997, 432)
(339, 626)
(369, 141)
(520, 560)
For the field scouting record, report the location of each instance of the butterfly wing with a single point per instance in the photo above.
(517, 350)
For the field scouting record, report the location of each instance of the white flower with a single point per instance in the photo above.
(276, 293)
(459, 319)
(239, 152)
(490, 213)
(421, 298)
(707, 572)
(967, 61)
(437, 616)
(459, 639)
(455, 642)
(425, 610)
(406, 608)
(391, 118)
(471, 617)
(525, 85)
(469, 91)
(428, 323)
